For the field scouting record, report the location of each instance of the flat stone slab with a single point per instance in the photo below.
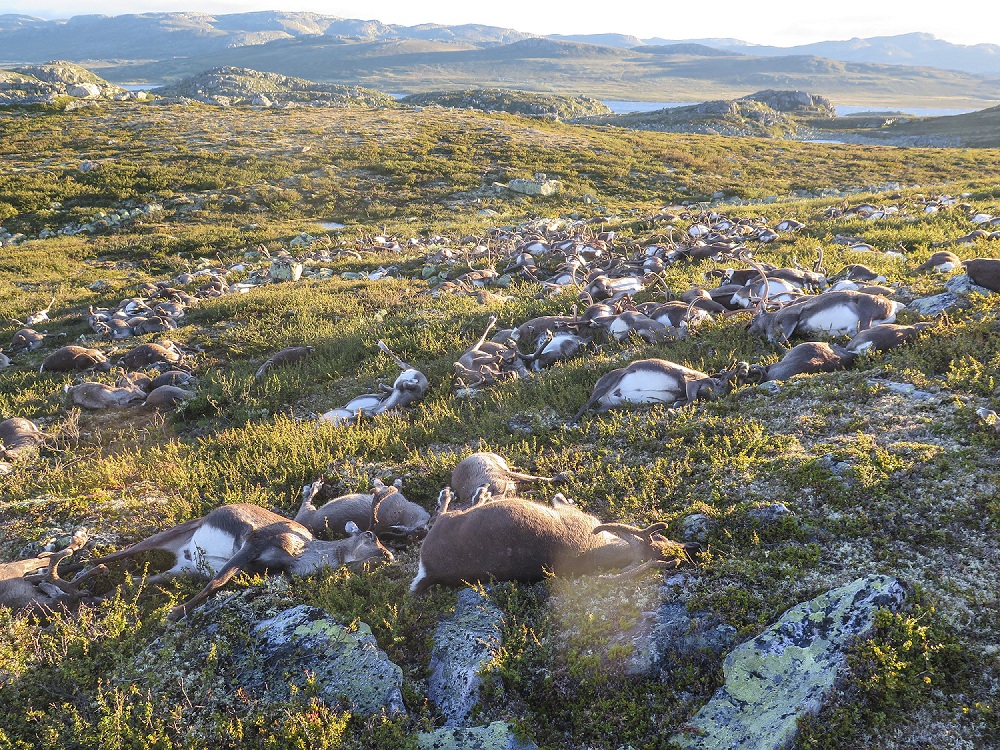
(788, 670)
(496, 736)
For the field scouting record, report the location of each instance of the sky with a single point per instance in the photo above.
(781, 23)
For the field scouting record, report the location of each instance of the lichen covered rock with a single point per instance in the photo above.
(462, 644)
(496, 736)
(305, 641)
(788, 670)
(257, 647)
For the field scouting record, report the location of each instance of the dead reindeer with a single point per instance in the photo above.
(288, 356)
(600, 287)
(632, 322)
(165, 354)
(519, 540)
(805, 359)
(101, 396)
(178, 378)
(654, 381)
(679, 317)
(486, 362)
(491, 471)
(167, 397)
(940, 262)
(533, 330)
(778, 290)
(841, 313)
(27, 340)
(71, 358)
(555, 347)
(154, 324)
(408, 387)
(385, 511)
(858, 272)
(885, 337)
(19, 437)
(35, 318)
(247, 538)
(34, 586)
(701, 300)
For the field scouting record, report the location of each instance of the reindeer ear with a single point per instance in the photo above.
(351, 528)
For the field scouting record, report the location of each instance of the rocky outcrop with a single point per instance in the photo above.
(788, 670)
(740, 117)
(794, 102)
(228, 86)
(515, 102)
(541, 185)
(47, 83)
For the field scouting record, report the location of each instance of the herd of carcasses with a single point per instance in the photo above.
(488, 532)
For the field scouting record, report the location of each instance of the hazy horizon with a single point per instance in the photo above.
(780, 23)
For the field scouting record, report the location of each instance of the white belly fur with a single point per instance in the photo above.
(837, 321)
(645, 388)
(207, 552)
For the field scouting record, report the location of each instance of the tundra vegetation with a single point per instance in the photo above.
(885, 466)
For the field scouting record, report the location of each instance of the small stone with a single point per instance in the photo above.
(770, 513)
(672, 635)
(305, 641)
(535, 187)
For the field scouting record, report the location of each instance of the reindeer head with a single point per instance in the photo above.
(649, 548)
(360, 547)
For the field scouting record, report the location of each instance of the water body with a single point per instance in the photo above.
(626, 107)
(331, 224)
(142, 86)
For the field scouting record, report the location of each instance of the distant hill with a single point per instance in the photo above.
(157, 36)
(906, 49)
(626, 41)
(408, 66)
(972, 130)
(917, 49)
(682, 48)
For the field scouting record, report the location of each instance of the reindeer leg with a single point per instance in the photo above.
(237, 563)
